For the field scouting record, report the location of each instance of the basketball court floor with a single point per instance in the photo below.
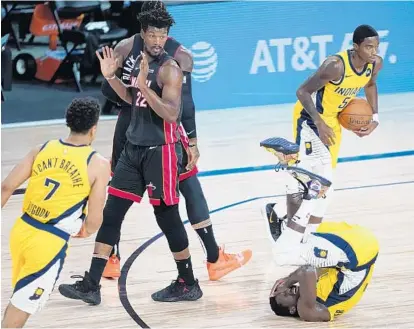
(374, 187)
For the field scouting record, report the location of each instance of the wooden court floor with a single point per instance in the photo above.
(375, 193)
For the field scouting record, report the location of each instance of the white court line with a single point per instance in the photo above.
(388, 103)
(48, 122)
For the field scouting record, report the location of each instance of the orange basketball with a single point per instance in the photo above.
(356, 115)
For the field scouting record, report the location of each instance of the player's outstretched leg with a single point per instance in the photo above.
(313, 186)
(219, 263)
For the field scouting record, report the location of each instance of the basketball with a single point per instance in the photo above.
(356, 115)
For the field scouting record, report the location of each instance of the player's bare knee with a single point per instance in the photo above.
(169, 221)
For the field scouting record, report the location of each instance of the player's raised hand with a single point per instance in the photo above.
(143, 71)
(108, 61)
(326, 134)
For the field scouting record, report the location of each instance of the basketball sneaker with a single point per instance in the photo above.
(314, 186)
(227, 263)
(178, 291)
(273, 222)
(84, 290)
(113, 268)
(287, 152)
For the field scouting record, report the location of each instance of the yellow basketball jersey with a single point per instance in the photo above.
(335, 96)
(59, 184)
(340, 289)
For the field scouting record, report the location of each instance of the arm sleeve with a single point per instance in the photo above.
(188, 116)
(109, 93)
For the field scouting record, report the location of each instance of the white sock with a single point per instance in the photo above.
(311, 228)
(286, 248)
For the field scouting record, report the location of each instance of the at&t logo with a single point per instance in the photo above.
(205, 61)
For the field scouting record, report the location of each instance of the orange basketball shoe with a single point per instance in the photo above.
(227, 263)
(113, 268)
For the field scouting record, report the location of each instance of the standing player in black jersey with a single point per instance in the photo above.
(150, 161)
(127, 51)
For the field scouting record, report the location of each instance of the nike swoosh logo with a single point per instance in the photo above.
(189, 132)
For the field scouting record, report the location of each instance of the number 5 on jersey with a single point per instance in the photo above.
(344, 103)
(55, 185)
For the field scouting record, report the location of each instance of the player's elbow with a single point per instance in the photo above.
(6, 188)
(172, 117)
(301, 92)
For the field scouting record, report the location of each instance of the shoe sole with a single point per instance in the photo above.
(280, 145)
(264, 216)
(180, 299)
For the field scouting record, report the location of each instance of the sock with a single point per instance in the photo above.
(311, 228)
(212, 249)
(185, 270)
(115, 251)
(96, 269)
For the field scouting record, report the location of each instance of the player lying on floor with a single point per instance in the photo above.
(336, 262)
(338, 265)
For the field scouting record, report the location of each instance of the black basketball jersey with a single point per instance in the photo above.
(147, 128)
(170, 47)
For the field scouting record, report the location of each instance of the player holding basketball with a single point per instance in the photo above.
(64, 176)
(336, 266)
(150, 161)
(219, 263)
(316, 127)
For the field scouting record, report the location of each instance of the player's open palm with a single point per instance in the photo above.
(108, 61)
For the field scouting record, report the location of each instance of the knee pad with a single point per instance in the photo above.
(195, 201)
(113, 216)
(169, 221)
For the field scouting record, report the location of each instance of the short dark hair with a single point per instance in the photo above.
(158, 17)
(362, 32)
(281, 310)
(152, 5)
(82, 114)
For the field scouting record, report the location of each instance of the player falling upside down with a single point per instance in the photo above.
(127, 51)
(64, 176)
(316, 128)
(336, 262)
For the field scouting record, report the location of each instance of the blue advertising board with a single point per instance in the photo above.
(259, 52)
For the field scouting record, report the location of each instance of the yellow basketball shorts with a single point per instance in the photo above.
(38, 252)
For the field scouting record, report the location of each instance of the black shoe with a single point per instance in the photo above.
(84, 290)
(273, 222)
(178, 291)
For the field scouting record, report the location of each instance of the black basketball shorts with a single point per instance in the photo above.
(154, 169)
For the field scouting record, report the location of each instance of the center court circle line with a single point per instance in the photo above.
(123, 295)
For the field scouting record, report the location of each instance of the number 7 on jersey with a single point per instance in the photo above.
(55, 185)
